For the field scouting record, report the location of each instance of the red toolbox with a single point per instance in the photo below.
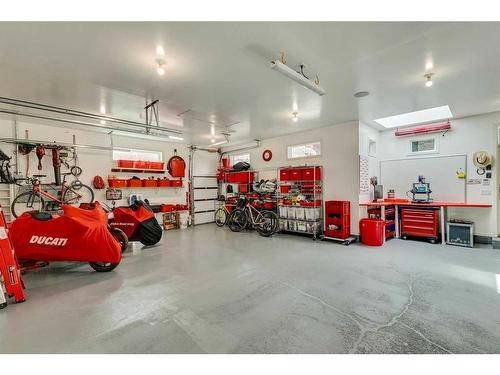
(284, 175)
(338, 219)
(420, 222)
(134, 182)
(310, 174)
(372, 231)
(167, 208)
(117, 183)
(176, 183)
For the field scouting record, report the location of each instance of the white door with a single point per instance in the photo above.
(204, 186)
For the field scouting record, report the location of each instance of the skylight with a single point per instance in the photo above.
(418, 117)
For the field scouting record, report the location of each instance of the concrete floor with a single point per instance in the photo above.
(207, 290)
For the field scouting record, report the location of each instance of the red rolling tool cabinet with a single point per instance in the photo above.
(420, 222)
(9, 267)
(338, 219)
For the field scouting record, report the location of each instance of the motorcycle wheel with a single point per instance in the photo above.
(103, 267)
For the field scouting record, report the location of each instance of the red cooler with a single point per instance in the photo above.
(372, 231)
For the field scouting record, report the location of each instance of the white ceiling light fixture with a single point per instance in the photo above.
(417, 117)
(160, 51)
(299, 77)
(428, 77)
(176, 138)
(160, 69)
(295, 117)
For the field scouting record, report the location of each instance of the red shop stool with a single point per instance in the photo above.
(372, 231)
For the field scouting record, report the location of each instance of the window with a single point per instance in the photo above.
(143, 155)
(304, 150)
(422, 146)
(241, 157)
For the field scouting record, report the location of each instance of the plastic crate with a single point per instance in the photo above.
(157, 165)
(140, 164)
(284, 174)
(117, 183)
(134, 182)
(149, 183)
(164, 183)
(125, 163)
(176, 183)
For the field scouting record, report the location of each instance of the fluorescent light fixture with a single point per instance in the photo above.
(297, 77)
(219, 143)
(418, 117)
(160, 51)
(175, 138)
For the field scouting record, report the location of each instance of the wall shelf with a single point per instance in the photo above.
(137, 170)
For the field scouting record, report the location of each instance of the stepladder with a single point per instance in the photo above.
(9, 267)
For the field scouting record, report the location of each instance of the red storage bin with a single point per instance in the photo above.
(296, 174)
(140, 164)
(231, 177)
(284, 189)
(244, 177)
(149, 183)
(269, 206)
(310, 174)
(134, 182)
(243, 188)
(372, 231)
(117, 183)
(164, 183)
(284, 175)
(176, 183)
(167, 208)
(125, 163)
(225, 163)
(157, 165)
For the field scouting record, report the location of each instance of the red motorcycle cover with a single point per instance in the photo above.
(63, 238)
(86, 211)
(128, 218)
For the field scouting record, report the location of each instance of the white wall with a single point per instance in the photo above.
(475, 133)
(339, 145)
(97, 162)
(367, 133)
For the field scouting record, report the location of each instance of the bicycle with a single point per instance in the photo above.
(32, 200)
(221, 215)
(264, 221)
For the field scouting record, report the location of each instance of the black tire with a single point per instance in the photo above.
(220, 217)
(103, 267)
(150, 232)
(270, 224)
(86, 192)
(238, 220)
(24, 200)
(120, 236)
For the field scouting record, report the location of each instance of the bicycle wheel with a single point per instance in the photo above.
(238, 220)
(78, 193)
(220, 217)
(25, 202)
(267, 223)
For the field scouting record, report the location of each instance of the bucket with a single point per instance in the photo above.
(183, 219)
(225, 162)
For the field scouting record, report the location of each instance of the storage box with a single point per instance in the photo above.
(284, 174)
(117, 183)
(283, 211)
(296, 174)
(301, 226)
(299, 213)
(372, 231)
(310, 174)
(157, 165)
(164, 183)
(134, 182)
(125, 163)
(243, 188)
(149, 183)
(167, 208)
(176, 183)
(312, 213)
(284, 189)
(270, 206)
(140, 164)
(244, 177)
(290, 212)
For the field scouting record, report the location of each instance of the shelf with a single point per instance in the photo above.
(303, 220)
(310, 182)
(300, 231)
(148, 187)
(137, 170)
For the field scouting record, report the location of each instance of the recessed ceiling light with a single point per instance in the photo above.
(361, 94)
(418, 117)
(160, 70)
(160, 51)
(212, 140)
(295, 117)
(428, 77)
(429, 65)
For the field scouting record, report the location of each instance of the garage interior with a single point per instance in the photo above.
(249, 187)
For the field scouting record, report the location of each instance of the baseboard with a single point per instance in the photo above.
(482, 239)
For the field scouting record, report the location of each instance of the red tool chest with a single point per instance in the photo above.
(419, 222)
(338, 219)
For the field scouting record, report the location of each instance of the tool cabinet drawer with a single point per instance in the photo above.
(422, 223)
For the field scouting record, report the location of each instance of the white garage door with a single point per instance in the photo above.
(204, 186)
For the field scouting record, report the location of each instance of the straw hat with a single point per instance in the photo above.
(481, 159)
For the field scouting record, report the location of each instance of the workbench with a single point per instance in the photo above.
(441, 206)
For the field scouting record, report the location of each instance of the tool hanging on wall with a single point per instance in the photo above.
(40, 153)
(56, 163)
(25, 149)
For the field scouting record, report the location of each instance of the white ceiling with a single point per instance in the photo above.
(220, 71)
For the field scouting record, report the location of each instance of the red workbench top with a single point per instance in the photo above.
(432, 204)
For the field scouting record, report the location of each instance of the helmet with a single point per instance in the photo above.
(98, 182)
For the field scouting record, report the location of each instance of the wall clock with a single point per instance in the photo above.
(267, 155)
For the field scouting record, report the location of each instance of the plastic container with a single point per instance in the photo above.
(225, 163)
(283, 211)
(134, 182)
(310, 174)
(167, 208)
(149, 183)
(176, 183)
(296, 174)
(140, 164)
(157, 165)
(284, 175)
(117, 183)
(269, 206)
(125, 163)
(372, 231)
(164, 183)
(284, 189)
